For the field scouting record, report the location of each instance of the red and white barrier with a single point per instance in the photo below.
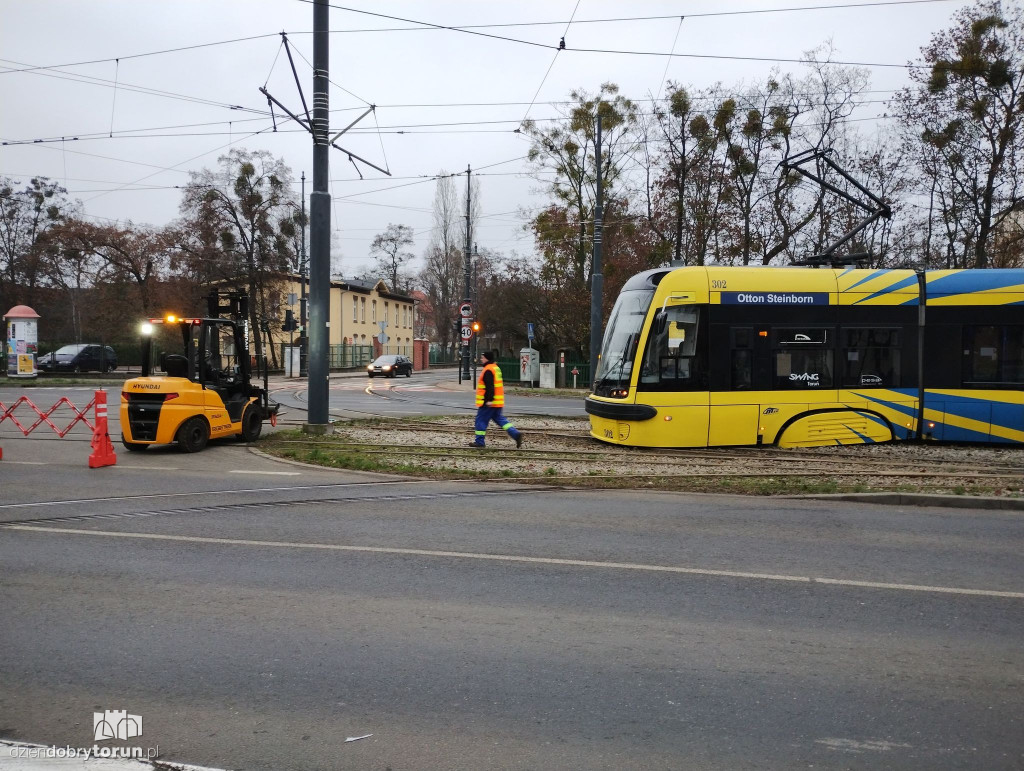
(102, 449)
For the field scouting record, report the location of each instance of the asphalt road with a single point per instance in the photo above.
(434, 393)
(258, 614)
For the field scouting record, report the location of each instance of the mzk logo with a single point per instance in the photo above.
(115, 724)
(807, 377)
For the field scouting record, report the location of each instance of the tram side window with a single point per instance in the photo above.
(741, 358)
(994, 354)
(871, 358)
(802, 358)
(672, 360)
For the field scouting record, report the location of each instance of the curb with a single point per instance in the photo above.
(921, 499)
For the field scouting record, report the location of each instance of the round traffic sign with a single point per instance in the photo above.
(466, 310)
(467, 332)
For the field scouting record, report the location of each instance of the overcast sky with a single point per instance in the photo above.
(456, 96)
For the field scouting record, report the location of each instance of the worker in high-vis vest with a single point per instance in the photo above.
(490, 398)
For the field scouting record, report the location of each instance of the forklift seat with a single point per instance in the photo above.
(174, 364)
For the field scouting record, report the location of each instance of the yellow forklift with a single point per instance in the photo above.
(206, 391)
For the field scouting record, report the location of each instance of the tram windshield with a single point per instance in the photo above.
(621, 338)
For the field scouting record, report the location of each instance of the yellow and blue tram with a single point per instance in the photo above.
(803, 357)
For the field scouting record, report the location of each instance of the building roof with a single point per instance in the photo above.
(361, 287)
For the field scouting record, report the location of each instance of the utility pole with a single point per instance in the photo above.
(468, 269)
(320, 228)
(596, 279)
(304, 337)
(475, 296)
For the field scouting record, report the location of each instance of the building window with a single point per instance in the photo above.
(362, 309)
(355, 309)
(396, 314)
(373, 311)
(385, 311)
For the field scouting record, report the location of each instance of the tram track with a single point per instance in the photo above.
(561, 449)
(596, 464)
(213, 508)
(826, 458)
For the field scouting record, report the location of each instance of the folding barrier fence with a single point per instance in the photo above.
(102, 450)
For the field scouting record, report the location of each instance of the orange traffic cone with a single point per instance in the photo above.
(102, 449)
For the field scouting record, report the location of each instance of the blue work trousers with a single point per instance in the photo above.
(485, 415)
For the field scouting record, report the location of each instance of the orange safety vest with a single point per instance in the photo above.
(499, 387)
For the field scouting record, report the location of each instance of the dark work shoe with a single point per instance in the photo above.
(519, 440)
(478, 446)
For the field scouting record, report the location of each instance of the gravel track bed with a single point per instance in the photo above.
(904, 466)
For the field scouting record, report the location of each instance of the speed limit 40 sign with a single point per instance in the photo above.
(467, 331)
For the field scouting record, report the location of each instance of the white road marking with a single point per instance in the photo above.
(267, 473)
(529, 560)
(858, 747)
(150, 496)
(24, 463)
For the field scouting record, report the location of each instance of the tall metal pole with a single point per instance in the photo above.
(303, 267)
(596, 279)
(319, 225)
(468, 268)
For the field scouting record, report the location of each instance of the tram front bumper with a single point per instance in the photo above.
(615, 411)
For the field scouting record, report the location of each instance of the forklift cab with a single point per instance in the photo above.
(215, 358)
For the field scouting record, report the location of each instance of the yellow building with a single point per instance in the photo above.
(357, 310)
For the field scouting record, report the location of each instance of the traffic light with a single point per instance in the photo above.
(289, 322)
(476, 327)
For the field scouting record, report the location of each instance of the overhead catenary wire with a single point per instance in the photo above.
(425, 26)
(140, 132)
(92, 80)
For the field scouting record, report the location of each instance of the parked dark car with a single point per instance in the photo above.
(81, 357)
(390, 366)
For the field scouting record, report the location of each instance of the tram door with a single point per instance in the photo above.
(745, 368)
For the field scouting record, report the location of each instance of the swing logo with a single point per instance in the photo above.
(115, 724)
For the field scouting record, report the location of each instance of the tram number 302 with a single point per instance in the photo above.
(718, 283)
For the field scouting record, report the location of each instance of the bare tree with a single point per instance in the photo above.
(441, 277)
(963, 122)
(25, 216)
(389, 249)
(253, 221)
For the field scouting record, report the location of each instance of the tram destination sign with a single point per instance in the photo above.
(774, 298)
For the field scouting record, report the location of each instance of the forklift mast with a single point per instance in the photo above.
(235, 306)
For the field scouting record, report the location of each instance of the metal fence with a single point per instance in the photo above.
(563, 375)
(440, 358)
(345, 356)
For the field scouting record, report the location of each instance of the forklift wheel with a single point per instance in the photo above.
(193, 435)
(131, 446)
(252, 425)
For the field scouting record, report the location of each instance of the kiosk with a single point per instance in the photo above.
(22, 341)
